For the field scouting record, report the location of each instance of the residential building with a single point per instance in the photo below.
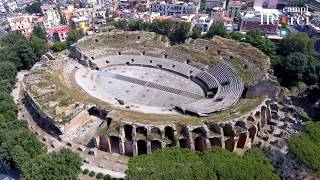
(12, 6)
(177, 8)
(58, 33)
(52, 14)
(23, 23)
(210, 4)
(233, 9)
(82, 23)
(70, 12)
(204, 22)
(314, 27)
(253, 21)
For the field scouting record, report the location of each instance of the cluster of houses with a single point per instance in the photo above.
(57, 16)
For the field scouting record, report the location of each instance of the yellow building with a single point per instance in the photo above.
(82, 22)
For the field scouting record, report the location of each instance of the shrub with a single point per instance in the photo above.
(86, 171)
(92, 173)
(106, 177)
(307, 145)
(99, 176)
(59, 46)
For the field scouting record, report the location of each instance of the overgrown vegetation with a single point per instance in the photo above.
(307, 145)
(59, 46)
(19, 147)
(216, 163)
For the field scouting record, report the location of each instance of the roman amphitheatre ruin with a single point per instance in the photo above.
(132, 93)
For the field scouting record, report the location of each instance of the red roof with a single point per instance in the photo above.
(60, 29)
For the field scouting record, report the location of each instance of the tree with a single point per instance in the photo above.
(74, 35)
(38, 45)
(298, 42)
(237, 36)
(8, 71)
(56, 165)
(181, 33)
(298, 67)
(34, 8)
(26, 55)
(138, 25)
(216, 163)
(216, 28)
(59, 46)
(163, 27)
(16, 48)
(121, 24)
(39, 32)
(196, 33)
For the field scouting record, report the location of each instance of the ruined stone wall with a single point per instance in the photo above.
(237, 135)
(43, 120)
(76, 53)
(76, 122)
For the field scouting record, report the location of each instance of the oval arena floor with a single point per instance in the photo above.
(144, 89)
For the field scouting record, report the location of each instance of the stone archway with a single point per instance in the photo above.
(242, 140)
(228, 130)
(142, 131)
(142, 147)
(216, 142)
(128, 148)
(114, 144)
(230, 144)
(214, 127)
(184, 143)
(155, 145)
(200, 144)
(263, 116)
(128, 131)
(252, 133)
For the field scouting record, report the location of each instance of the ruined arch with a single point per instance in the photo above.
(229, 144)
(142, 131)
(241, 124)
(257, 114)
(128, 131)
(142, 147)
(184, 131)
(252, 133)
(184, 143)
(156, 133)
(263, 116)
(169, 132)
(216, 142)
(155, 145)
(128, 148)
(95, 111)
(114, 144)
(200, 143)
(214, 127)
(250, 118)
(242, 140)
(200, 131)
(228, 130)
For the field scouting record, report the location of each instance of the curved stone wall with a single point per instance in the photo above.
(132, 139)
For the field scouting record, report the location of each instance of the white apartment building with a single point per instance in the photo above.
(174, 9)
(234, 8)
(23, 23)
(204, 22)
(52, 14)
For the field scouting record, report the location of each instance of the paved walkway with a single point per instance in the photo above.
(104, 171)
